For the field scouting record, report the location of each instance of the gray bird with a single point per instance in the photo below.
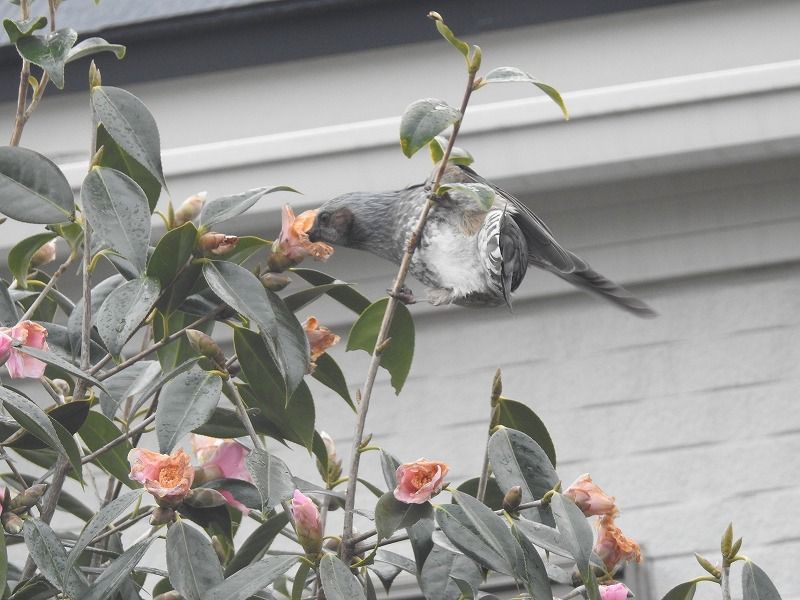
(467, 255)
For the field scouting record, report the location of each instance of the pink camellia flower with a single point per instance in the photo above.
(612, 546)
(168, 477)
(293, 245)
(319, 339)
(21, 365)
(616, 591)
(221, 459)
(419, 481)
(307, 522)
(590, 498)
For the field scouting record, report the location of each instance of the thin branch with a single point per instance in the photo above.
(50, 285)
(243, 416)
(128, 522)
(383, 333)
(118, 440)
(725, 581)
(22, 93)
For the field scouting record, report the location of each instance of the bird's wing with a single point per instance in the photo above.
(542, 246)
(504, 252)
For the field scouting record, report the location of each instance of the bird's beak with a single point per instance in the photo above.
(313, 233)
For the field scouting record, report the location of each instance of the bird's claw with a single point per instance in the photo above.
(404, 295)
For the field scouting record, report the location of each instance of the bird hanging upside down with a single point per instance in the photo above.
(467, 255)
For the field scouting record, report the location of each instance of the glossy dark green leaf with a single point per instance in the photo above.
(397, 356)
(94, 45)
(517, 460)
(271, 476)
(96, 432)
(303, 298)
(286, 340)
(32, 188)
(99, 294)
(254, 547)
(186, 402)
(171, 253)
(32, 418)
(346, 296)
(683, 591)
(512, 74)
(438, 570)
(576, 533)
(19, 257)
(130, 124)
(242, 491)
(391, 514)
(179, 350)
(124, 311)
(534, 571)
(118, 212)
(225, 423)
(227, 207)
(192, 564)
(458, 156)
(50, 556)
(337, 580)
(516, 415)
(49, 52)
(243, 584)
(422, 121)
(104, 517)
(478, 194)
(70, 415)
(330, 375)
(389, 466)
(115, 574)
(259, 369)
(115, 157)
(71, 449)
(35, 589)
(493, 497)
(127, 384)
(23, 27)
(756, 584)
(246, 247)
(8, 309)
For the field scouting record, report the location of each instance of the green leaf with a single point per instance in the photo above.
(94, 45)
(260, 370)
(49, 52)
(271, 476)
(493, 497)
(512, 74)
(117, 210)
(70, 415)
(19, 257)
(438, 571)
(545, 537)
(534, 572)
(254, 547)
(245, 583)
(227, 207)
(8, 309)
(337, 580)
(32, 188)
(243, 491)
(54, 359)
(516, 415)
(171, 253)
(517, 460)
(124, 310)
(458, 156)
(186, 402)
(684, 591)
(178, 350)
(448, 34)
(104, 517)
(130, 124)
(468, 592)
(346, 296)
(397, 356)
(96, 432)
(303, 298)
(575, 530)
(330, 375)
(3, 562)
(246, 247)
(21, 28)
(71, 449)
(422, 121)
(479, 194)
(389, 466)
(192, 564)
(300, 581)
(126, 384)
(391, 514)
(117, 571)
(286, 340)
(114, 157)
(32, 418)
(225, 423)
(756, 584)
(49, 555)
(99, 294)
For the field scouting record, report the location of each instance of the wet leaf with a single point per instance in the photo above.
(32, 188)
(422, 121)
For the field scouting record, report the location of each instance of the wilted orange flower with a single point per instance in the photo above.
(417, 482)
(293, 245)
(612, 546)
(168, 477)
(320, 338)
(590, 498)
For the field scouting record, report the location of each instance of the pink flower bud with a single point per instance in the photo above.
(590, 498)
(167, 477)
(613, 547)
(617, 591)
(419, 481)
(307, 522)
(21, 365)
(44, 255)
(190, 209)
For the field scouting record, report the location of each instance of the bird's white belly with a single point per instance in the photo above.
(452, 262)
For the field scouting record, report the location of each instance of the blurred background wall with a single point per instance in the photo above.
(677, 176)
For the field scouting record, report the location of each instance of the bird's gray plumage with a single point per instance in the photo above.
(466, 255)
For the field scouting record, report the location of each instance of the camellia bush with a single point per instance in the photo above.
(136, 352)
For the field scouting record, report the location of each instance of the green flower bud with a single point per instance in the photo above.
(512, 499)
(205, 345)
(12, 523)
(28, 498)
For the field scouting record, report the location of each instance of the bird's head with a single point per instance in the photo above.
(337, 221)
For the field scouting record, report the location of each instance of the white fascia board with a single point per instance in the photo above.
(615, 132)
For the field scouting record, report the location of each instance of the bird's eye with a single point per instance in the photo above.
(325, 219)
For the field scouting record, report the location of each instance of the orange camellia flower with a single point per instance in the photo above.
(168, 477)
(419, 481)
(590, 498)
(612, 546)
(293, 245)
(319, 339)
